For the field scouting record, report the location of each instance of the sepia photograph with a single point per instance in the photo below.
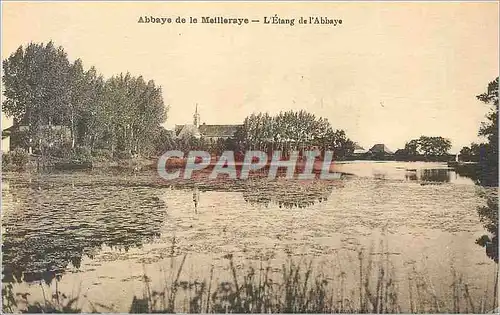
(249, 157)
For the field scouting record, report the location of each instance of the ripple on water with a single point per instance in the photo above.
(121, 218)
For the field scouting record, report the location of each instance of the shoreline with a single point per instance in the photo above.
(147, 164)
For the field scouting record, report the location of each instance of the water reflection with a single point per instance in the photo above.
(431, 175)
(47, 230)
(488, 215)
(196, 198)
(411, 175)
(52, 224)
(291, 195)
(427, 172)
(480, 174)
(284, 193)
(435, 175)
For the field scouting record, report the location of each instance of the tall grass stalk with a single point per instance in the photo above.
(298, 287)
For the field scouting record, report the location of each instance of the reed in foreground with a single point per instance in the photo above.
(298, 288)
(368, 285)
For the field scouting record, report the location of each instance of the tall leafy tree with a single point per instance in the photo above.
(411, 147)
(489, 129)
(488, 154)
(292, 130)
(36, 87)
(434, 146)
(42, 89)
(428, 146)
(133, 110)
(92, 120)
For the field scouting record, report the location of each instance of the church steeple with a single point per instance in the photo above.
(196, 117)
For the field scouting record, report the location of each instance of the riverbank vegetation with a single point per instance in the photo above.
(486, 153)
(292, 131)
(15, 160)
(61, 110)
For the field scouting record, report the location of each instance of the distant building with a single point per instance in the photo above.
(6, 139)
(401, 152)
(215, 132)
(359, 150)
(210, 132)
(17, 136)
(6, 132)
(186, 131)
(380, 148)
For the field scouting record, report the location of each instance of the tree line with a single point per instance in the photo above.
(487, 151)
(61, 109)
(64, 108)
(427, 147)
(292, 131)
(286, 131)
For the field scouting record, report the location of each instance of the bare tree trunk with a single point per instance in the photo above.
(113, 141)
(131, 141)
(30, 134)
(30, 141)
(72, 129)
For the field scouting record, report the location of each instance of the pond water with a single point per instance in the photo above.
(96, 235)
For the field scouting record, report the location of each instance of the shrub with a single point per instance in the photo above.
(17, 158)
(123, 155)
(102, 155)
(60, 150)
(6, 160)
(82, 154)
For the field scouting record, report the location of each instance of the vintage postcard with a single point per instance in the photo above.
(249, 157)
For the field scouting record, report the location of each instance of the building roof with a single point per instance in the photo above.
(209, 131)
(359, 149)
(178, 129)
(380, 148)
(182, 131)
(218, 131)
(6, 132)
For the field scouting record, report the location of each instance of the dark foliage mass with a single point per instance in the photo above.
(63, 107)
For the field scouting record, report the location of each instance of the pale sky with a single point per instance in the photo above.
(425, 62)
